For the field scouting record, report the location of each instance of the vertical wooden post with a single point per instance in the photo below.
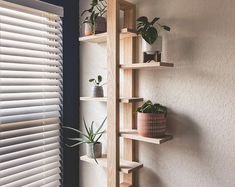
(129, 46)
(113, 93)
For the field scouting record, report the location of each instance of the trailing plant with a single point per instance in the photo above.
(149, 107)
(147, 30)
(98, 81)
(91, 136)
(97, 8)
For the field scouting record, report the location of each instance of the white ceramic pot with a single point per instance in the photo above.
(88, 29)
(152, 49)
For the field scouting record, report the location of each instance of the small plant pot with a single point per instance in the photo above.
(152, 49)
(98, 91)
(101, 25)
(151, 125)
(88, 29)
(94, 150)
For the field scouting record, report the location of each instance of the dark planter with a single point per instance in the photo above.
(98, 91)
(101, 25)
(151, 125)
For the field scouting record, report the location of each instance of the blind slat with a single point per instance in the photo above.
(22, 175)
(28, 159)
(30, 165)
(31, 86)
(28, 96)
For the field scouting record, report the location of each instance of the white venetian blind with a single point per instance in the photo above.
(30, 98)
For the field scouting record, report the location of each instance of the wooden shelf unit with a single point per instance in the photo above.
(104, 99)
(125, 165)
(150, 65)
(125, 40)
(133, 135)
(101, 38)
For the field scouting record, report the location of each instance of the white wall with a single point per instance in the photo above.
(199, 92)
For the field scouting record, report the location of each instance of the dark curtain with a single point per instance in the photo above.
(71, 85)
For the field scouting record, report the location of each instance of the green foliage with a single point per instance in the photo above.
(97, 8)
(149, 107)
(90, 136)
(147, 30)
(98, 81)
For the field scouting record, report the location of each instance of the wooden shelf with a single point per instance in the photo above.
(101, 38)
(104, 99)
(125, 166)
(125, 185)
(149, 65)
(133, 135)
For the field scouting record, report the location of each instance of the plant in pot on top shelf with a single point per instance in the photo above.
(91, 138)
(151, 120)
(95, 22)
(98, 90)
(151, 41)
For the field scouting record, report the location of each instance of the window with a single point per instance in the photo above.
(30, 96)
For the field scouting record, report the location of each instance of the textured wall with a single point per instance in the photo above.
(199, 92)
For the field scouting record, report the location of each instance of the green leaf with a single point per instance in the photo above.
(99, 78)
(166, 28)
(76, 139)
(91, 80)
(143, 19)
(154, 20)
(102, 124)
(88, 133)
(74, 145)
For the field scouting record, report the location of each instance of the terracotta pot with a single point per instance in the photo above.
(98, 91)
(100, 25)
(151, 125)
(94, 150)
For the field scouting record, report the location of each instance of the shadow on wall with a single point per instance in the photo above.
(187, 141)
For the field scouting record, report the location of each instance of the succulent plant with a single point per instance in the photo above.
(149, 107)
(90, 136)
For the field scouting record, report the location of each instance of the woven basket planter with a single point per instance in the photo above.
(151, 125)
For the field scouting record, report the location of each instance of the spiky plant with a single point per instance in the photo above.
(91, 136)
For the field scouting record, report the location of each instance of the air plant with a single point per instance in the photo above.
(147, 30)
(91, 136)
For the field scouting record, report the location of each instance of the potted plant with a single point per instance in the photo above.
(151, 41)
(98, 90)
(151, 120)
(91, 138)
(95, 22)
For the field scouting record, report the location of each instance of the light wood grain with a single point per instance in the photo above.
(125, 166)
(104, 99)
(129, 49)
(124, 184)
(151, 65)
(113, 9)
(101, 38)
(133, 135)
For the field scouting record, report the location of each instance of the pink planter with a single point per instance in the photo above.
(151, 125)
